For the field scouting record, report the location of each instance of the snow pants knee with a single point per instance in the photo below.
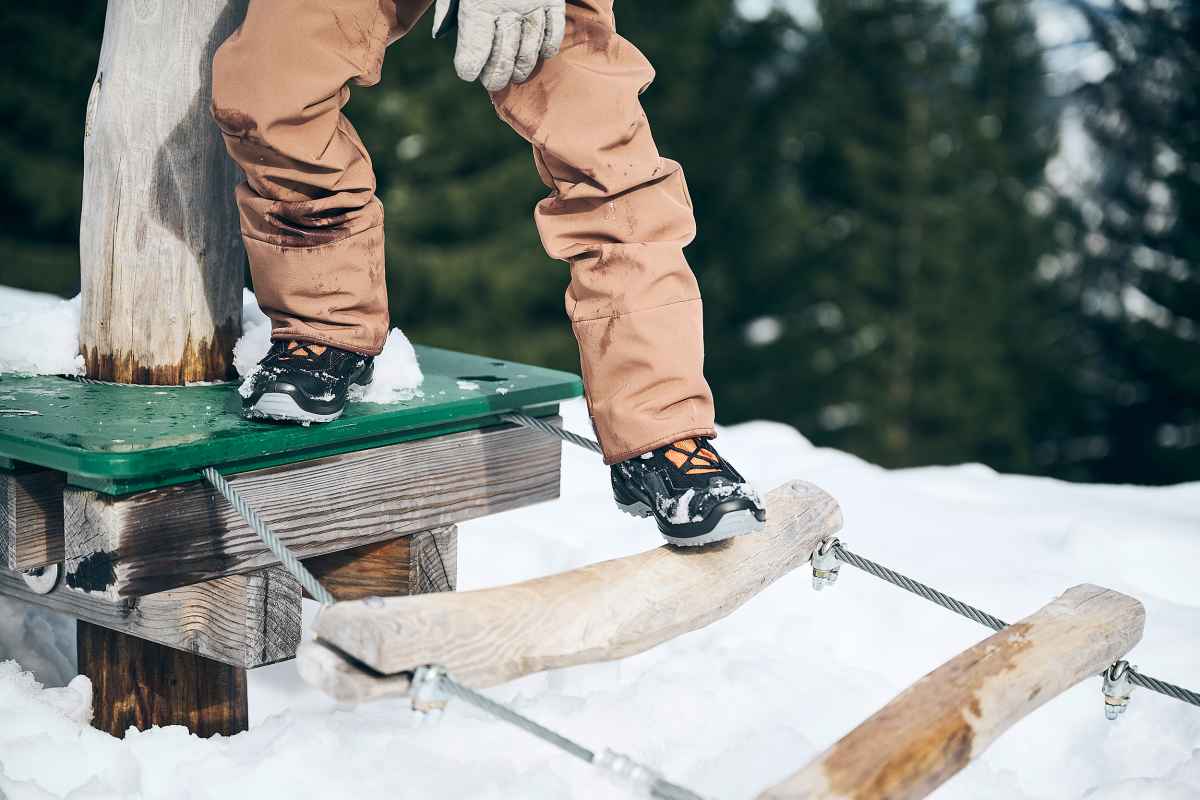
(617, 212)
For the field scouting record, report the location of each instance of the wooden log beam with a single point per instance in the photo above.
(31, 519)
(162, 539)
(243, 620)
(420, 563)
(160, 250)
(139, 684)
(601, 612)
(946, 719)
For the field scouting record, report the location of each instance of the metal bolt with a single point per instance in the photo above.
(825, 565)
(1117, 688)
(429, 697)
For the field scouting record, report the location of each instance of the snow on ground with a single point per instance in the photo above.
(727, 710)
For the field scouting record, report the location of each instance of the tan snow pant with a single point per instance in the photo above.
(618, 212)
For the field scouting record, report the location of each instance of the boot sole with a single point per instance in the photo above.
(282, 407)
(731, 525)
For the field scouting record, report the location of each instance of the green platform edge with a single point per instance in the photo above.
(205, 429)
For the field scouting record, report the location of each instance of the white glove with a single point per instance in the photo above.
(500, 41)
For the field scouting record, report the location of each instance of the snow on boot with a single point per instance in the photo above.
(695, 495)
(304, 382)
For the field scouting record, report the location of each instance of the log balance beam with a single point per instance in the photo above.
(601, 612)
(938, 725)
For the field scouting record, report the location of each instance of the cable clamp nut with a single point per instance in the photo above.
(630, 772)
(825, 564)
(429, 696)
(1117, 688)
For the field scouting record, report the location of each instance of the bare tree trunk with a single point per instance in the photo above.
(160, 252)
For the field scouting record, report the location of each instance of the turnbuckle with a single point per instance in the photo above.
(1117, 688)
(825, 565)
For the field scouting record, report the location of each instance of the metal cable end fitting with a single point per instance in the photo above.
(1117, 688)
(825, 564)
(429, 697)
(640, 777)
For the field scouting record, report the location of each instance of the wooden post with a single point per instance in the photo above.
(935, 727)
(136, 683)
(160, 252)
(161, 265)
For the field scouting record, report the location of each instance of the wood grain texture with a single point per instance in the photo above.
(31, 519)
(157, 540)
(946, 719)
(161, 255)
(139, 684)
(244, 620)
(419, 563)
(601, 612)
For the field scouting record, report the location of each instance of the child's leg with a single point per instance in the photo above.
(621, 215)
(312, 225)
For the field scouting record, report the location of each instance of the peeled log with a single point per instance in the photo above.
(939, 724)
(598, 613)
(161, 258)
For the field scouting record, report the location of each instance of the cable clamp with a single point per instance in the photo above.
(640, 777)
(429, 696)
(825, 564)
(1117, 688)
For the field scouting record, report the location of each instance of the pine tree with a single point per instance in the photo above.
(1138, 283)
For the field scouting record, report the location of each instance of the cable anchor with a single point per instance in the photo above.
(825, 564)
(1117, 688)
(429, 696)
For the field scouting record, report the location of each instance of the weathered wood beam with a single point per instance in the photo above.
(31, 519)
(161, 539)
(601, 612)
(160, 251)
(420, 563)
(244, 620)
(139, 684)
(935, 727)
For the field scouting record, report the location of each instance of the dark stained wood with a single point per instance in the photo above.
(245, 620)
(162, 539)
(31, 519)
(138, 684)
(416, 564)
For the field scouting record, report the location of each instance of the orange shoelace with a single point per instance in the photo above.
(692, 459)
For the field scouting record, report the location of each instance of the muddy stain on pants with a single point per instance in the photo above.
(618, 213)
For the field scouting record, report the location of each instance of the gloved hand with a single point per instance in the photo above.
(500, 41)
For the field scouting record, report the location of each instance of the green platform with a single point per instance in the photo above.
(120, 439)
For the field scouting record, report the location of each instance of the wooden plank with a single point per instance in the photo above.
(140, 684)
(31, 519)
(420, 563)
(160, 249)
(244, 620)
(949, 717)
(165, 538)
(597, 613)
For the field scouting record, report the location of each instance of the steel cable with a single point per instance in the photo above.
(553, 430)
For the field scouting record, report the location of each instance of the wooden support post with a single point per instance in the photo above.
(421, 563)
(935, 727)
(136, 683)
(160, 252)
(31, 519)
(597, 613)
(161, 539)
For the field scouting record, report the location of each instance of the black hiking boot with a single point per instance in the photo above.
(695, 495)
(304, 382)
